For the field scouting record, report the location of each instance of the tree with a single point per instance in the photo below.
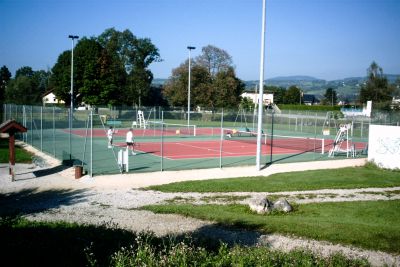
(176, 87)
(377, 87)
(330, 97)
(246, 103)
(213, 82)
(293, 95)
(60, 80)
(109, 69)
(5, 76)
(27, 87)
(214, 59)
(278, 92)
(228, 89)
(136, 55)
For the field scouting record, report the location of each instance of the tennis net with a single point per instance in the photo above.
(159, 127)
(299, 143)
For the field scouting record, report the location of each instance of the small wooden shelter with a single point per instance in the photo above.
(11, 127)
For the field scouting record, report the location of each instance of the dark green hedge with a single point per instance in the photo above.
(306, 107)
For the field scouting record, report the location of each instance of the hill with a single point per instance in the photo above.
(347, 88)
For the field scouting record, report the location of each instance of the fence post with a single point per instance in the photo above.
(222, 138)
(31, 125)
(41, 128)
(91, 143)
(162, 140)
(54, 132)
(272, 135)
(24, 135)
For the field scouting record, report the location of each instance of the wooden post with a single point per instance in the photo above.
(11, 127)
(11, 148)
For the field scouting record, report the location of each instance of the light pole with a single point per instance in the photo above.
(72, 37)
(190, 48)
(261, 92)
(301, 95)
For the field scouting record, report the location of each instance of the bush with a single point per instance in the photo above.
(308, 108)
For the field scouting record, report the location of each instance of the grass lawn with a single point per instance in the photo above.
(343, 178)
(371, 224)
(27, 243)
(21, 155)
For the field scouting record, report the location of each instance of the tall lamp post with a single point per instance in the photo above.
(72, 37)
(190, 48)
(261, 91)
(301, 95)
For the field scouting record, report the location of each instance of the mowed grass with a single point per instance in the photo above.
(21, 155)
(342, 178)
(370, 224)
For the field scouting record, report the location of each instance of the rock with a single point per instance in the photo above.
(260, 205)
(264, 205)
(282, 205)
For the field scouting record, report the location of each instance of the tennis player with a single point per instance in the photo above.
(110, 135)
(129, 141)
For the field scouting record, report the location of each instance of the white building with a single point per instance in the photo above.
(50, 98)
(267, 98)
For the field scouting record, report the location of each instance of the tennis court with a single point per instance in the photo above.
(205, 149)
(166, 141)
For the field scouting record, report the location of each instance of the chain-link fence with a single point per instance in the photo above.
(165, 139)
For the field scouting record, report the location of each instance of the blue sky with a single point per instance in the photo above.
(328, 39)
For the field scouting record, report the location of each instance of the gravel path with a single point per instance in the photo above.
(50, 193)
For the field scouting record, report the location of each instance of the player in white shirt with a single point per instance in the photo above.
(129, 141)
(110, 135)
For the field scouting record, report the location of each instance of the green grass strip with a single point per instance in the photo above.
(343, 178)
(371, 224)
(21, 155)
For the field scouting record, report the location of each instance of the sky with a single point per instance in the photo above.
(326, 39)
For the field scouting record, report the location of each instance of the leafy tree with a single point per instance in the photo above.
(109, 69)
(88, 85)
(278, 92)
(27, 87)
(228, 89)
(136, 55)
(176, 87)
(5, 76)
(377, 87)
(60, 80)
(246, 103)
(24, 71)
(330, 97)
(293, 95)
(213, 82)
(214, 59)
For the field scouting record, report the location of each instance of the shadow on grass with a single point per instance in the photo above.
(210, 236)
(30, 201)
(27, 243)
(59, 244)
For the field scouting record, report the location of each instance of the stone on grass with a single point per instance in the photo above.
(264, 205)
(260, 205)
(282, 205)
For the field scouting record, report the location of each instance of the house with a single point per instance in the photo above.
(50, 98)
(267, 98)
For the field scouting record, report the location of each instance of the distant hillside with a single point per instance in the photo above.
(292, 78)
(347, 88)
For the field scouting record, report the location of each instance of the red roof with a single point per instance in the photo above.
(11, 126)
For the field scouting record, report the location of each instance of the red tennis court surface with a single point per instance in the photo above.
(122, 132)
(207, 149)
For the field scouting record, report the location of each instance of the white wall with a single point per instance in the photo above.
(384, 146)
(267, 98)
